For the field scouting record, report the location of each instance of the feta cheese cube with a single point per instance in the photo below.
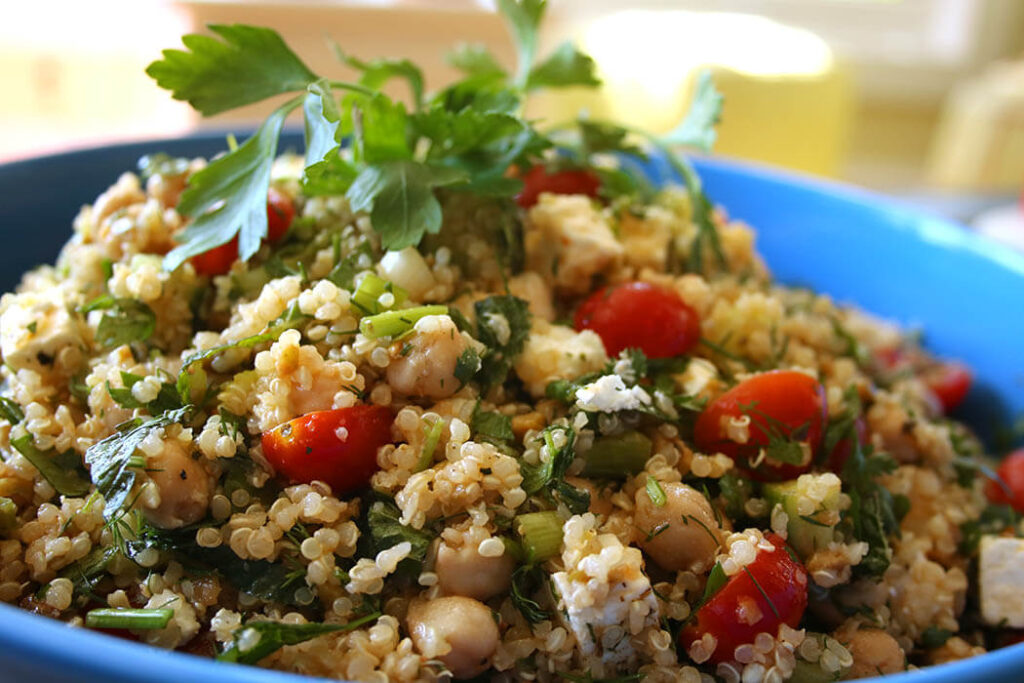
(1001, 579)
(558, 352)
(605, 595)
(34, 327)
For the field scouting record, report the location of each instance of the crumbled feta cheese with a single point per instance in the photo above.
(558, 352)
(568, 241)
(609, 394)
(35, 327)
(604, 594)
(1000, 577)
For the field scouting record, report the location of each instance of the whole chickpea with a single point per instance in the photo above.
(185, 487)
(427, 368)
(464, 571)
(689, 534)
(459, 631)
(874, 652)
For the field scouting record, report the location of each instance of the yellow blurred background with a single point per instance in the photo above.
(903, 95)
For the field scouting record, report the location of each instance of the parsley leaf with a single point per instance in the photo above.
(697, 129)
(492, 426)
(475, 60)
(125, 320)
(386, 531)
(326, 171)
(526, 581)
(250, 64)
(229, 196)
(270, 581)
(377, 72)
(109, 460)
(566, 66)
(523, 18)
(872, 510)
(273, 635)
(167, 399)
(63, 471)
(400, 198)
(502, 352)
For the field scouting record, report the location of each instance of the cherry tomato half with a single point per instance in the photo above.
(783, 406)
(950, 383)
(1011, 473)
(280, 213)
(642, 316)
(217, 261)
(338, 447)
(772, 590)
(538, 180)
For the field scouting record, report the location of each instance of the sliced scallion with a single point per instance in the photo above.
(396, 323)
(140, 619)
(429, 445)
(541, 534)
(369, 292)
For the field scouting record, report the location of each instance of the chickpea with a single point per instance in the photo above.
(459, 631)
(874, 652)
(427, 368)
(690, 536)
(185, 487)
(464, 571)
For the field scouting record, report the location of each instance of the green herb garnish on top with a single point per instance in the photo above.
(388, 157)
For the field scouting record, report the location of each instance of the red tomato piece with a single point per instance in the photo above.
(280, 213)
(216, 261)
(641, 316)
(338, 447)
(950, 383)
(844, 448)
(1011, 473)
(772, 590)
(573, 181)
(783, 405)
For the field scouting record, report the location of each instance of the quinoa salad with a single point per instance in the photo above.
(459, 395)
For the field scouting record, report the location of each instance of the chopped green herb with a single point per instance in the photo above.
(109, 460)
(492, 426)
(526, 581)
(124, 321)
(63, 471)
(655, 492)
(11, 411)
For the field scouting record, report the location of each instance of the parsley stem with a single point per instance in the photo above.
(353, 87)
(129, 618)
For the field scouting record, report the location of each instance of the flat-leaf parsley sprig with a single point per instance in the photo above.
(466, 137)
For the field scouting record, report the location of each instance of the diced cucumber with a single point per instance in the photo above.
(810, 527)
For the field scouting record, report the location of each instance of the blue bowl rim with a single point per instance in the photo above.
(74, 650)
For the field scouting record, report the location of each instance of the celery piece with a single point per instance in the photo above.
(541, 534)
(396, 323)
(617, 457)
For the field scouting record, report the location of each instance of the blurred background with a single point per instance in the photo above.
(918, 98)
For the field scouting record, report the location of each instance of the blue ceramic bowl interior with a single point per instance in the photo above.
(965, 293)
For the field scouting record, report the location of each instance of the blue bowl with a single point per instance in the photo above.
(966, 293)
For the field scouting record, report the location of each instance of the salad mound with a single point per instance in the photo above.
(460, 395)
